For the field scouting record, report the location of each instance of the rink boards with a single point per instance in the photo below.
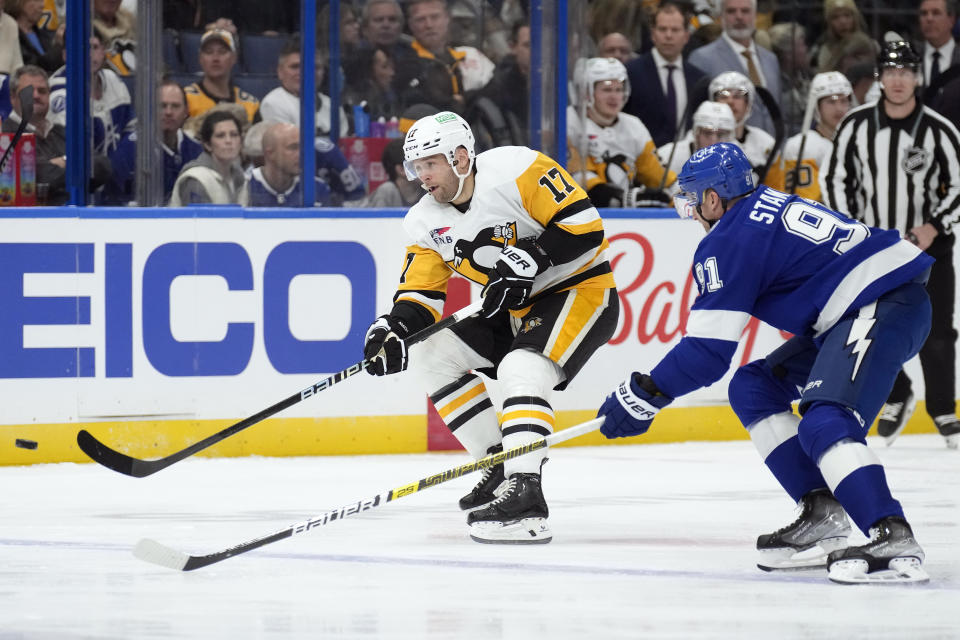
(155, 331)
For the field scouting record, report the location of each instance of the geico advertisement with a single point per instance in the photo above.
(218, 318)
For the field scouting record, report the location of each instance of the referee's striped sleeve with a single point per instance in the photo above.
(836, 181)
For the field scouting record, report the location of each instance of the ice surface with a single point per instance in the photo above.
(649, 541)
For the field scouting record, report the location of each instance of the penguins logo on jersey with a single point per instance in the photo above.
(505, 234)
(440, 236)
(916, 160)
(531, 324)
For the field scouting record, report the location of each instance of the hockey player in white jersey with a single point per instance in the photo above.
(612, 153)
(513, 220)
(712, 123)
(736, 90)
(829, 102)
(854, 298)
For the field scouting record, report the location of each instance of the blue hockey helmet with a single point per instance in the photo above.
(722, 167)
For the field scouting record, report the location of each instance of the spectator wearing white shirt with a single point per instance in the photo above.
(940, 51)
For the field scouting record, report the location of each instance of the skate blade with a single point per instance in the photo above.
(525, 531)
(788, 559)
(900, 571)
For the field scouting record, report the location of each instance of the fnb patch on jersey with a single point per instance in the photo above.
(440, 235)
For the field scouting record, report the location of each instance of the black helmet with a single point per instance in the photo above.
(898, 54)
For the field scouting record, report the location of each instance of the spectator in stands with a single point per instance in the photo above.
(611, 153)
(236, 16)
(940, 50)
(443, 75)
(861, 78)
(510, 84)
(277, 182)
(397, 191)
(788, 41)
(216, 176)
(735, 50)
(735, 90)
(346, 184)
(616, 45)
(119, 29)
(10, 57)
(51, 138)
(668, 79)
(712, 122)
(372, 83)
(381, 23)
(218, 56)
(39, 47)
(5, 106)
(114, 120)
(283, 103)
(843, 22)
(178, 147)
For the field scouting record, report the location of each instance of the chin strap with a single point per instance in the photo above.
(462, 179)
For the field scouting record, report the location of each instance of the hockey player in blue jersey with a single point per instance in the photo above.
(854, 297)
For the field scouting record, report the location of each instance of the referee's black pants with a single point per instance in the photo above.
(938, 355)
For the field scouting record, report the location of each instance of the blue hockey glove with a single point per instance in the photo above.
(630, 409)
(384, 347)
(510, 281)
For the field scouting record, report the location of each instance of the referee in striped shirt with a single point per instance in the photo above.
(896, 165)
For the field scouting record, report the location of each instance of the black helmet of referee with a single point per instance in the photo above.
(898, 54)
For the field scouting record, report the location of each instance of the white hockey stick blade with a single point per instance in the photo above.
(900, 571)
(152, 551)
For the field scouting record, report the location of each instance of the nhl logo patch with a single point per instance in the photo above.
(916, 160)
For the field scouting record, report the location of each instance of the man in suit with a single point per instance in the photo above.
(663, 80)
(735, 50)
(940, 51)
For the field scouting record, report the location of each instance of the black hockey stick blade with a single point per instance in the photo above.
(152, 551)
(26, 115)
(137, 468)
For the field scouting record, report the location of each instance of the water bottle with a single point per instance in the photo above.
(378, 129)
(393, 128)
(361, 121)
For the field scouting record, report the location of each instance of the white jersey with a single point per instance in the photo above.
(626, 143)
(685, 149)
(756, 144)
(816, 154)
(518, 194)
(283, 106)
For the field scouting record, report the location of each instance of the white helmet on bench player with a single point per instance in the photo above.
(734, 82)
(587, 73)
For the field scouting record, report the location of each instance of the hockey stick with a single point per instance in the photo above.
(805, 130)
(152, 551)
(26, 115)
(778, 128)
(128, 465)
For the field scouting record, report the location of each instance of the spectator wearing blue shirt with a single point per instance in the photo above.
(277, 183)
(178, 147)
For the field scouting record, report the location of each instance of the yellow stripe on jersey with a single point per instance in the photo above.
(649, 171)
(546, 188)
(579, 228)
(526, 415)
(579, 313)
(424, 273)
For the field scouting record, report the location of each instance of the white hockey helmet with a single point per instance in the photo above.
(734, 81)
(587, 73)
(714, 115)
(443, 133)
(831, 83)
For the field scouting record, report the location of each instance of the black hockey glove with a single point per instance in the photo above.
(384, 349)
(510, 281)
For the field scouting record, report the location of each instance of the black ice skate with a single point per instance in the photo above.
(518, 516)
(891, 555)
(491, 485)
(949, 428)
(821, 528)
(894, 417)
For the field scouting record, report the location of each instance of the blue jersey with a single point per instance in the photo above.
(263, 195)
(333, 168)
(5, 106)
(790, 262)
